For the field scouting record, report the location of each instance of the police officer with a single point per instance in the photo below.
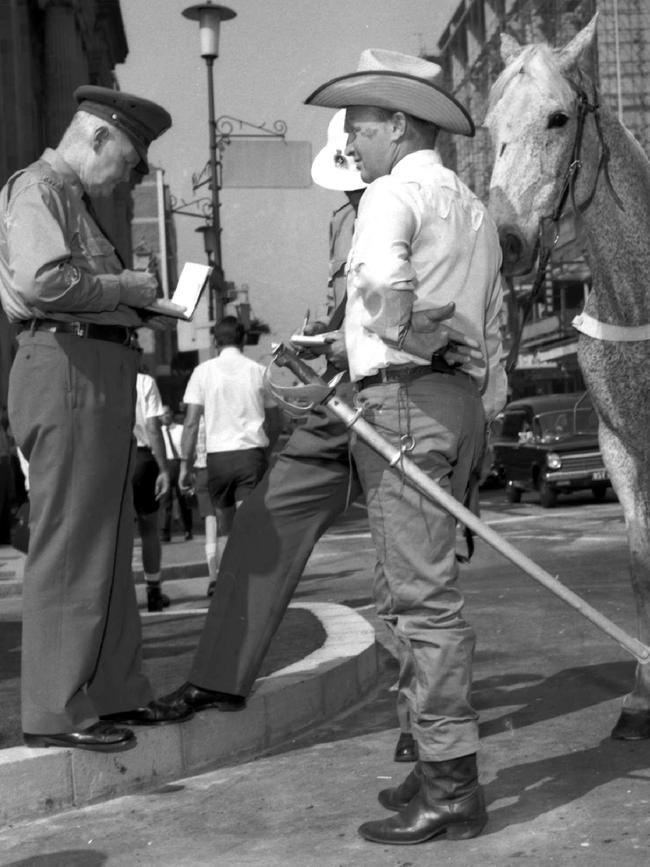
(71, 406)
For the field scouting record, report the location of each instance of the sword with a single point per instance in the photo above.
(282, 356)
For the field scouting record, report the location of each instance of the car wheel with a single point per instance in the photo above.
(547, 494)
(513, 494)
(599, 492)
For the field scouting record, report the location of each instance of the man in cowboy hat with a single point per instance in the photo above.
(71, 403)
(422, 239)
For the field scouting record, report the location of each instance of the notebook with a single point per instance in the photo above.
(191, 283)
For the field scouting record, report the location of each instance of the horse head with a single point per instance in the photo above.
(534, 121)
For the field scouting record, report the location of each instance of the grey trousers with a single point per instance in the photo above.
(416, 588)
(71, 406)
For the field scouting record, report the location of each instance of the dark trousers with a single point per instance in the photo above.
(71, 406)
(273, 534)
(168, 503)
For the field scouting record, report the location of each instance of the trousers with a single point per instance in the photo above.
(272, 537)
(71, 406)
(439, 418)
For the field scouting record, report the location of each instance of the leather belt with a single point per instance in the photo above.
(91, 330)
(404, 373)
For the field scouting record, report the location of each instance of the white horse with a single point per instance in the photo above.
(558, 151)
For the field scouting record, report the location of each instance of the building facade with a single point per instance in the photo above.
(469, 52)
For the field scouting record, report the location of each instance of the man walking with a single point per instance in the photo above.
(241, 425)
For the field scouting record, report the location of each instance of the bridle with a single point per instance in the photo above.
(549, 227)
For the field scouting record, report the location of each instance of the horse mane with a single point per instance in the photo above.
(541, 63)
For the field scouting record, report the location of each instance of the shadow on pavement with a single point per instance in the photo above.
(544, 698)
(67, 858)
(532, 789)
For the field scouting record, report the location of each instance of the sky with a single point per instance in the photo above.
(271, 56)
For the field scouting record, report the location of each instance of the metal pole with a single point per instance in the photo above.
(431, 489)
(214, 187)
(617, 46)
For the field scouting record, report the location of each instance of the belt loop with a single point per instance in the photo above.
(33, 325)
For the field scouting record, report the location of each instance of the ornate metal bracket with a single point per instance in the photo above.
(200, 208)
(225, 127)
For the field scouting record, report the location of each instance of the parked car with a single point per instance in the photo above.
(549, 444)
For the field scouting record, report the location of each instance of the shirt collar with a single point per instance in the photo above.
(62, 168)
(230, 350)
(416, 160)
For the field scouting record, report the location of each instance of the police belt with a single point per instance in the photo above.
(404, 373)
(121, 334)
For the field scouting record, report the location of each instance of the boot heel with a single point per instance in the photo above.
(465, 830)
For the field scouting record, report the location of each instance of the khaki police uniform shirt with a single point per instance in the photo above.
(55, 262)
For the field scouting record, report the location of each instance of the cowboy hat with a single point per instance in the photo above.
(331, 168)
(388, 79)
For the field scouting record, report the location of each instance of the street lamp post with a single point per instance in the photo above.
(210, 17)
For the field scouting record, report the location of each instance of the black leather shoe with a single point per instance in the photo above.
(156, 599)
(156, 713)
(196, 698)
(101, 737)
(188, 536)
(632, 725)
(165, 536)
(406, 749)
(420, 822)
(399, 797)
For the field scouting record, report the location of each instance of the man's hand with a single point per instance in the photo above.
(428, 335)
(137, 288)
(310, 329)
(335, 352)
(185, 479)
(162, 484)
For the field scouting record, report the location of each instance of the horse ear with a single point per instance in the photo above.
(510, 48)
(576, 53)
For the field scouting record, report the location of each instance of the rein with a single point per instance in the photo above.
(567, 192)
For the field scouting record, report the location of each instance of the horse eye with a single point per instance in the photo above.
(557, 119)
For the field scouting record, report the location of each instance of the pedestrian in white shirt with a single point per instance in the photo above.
(241, 424)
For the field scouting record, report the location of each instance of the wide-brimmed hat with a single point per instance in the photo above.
(331, 168)
(399, 82)
(140, 119)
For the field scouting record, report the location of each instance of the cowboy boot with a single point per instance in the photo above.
(398, 797)
(449, 801)
(406, 749)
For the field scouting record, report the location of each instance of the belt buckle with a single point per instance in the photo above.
(80, 329)
(131, 339)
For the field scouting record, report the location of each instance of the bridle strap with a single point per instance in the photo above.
(567, 192)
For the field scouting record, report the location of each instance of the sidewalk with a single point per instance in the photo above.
(321, 660)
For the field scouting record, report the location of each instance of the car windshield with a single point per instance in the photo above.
(561, 424)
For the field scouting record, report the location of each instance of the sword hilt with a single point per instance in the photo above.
(285, 357)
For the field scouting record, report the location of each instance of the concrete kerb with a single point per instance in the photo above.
(36, 783)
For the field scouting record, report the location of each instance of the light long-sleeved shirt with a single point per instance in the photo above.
(421, 240)
(55, 262)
